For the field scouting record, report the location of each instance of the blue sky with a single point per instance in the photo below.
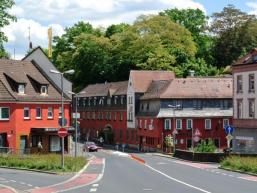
(39, 15)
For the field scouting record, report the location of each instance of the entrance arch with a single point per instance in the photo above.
(108, 134)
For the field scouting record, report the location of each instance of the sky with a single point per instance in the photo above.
(39, 15)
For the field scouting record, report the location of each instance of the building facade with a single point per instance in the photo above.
(30, 109)
(244, 99)
(195, 108)
(102, 109)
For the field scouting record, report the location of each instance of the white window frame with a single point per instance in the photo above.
(50, 114)
(224, 120)
(145, 123)
(140, 123)
(167, 122)
(40, 110)
(26, 109)
(189, 128)
(205, 124)
(21, 89)
(1, 117)
(178, 120)
(43, 90)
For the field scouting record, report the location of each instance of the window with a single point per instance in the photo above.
(121, 116)
(21, 88)
(189, 123)
(207, 123)
(167, 124)
(35, 139)
(178, 124)
(197, 104)
(26, 113)
(43, 89)
(217, 143)
(225, 122)
(178, 104)
(239, 83)
(38, 113)
(93, 115)
(189, 143)
(251, 82)
(147, 106)
(140, 123)
(251, 108)
(108, 101)
(115, 116)
(60, 112)
(239, 108)
(145, 124)
(121, 100)
(115, 100)
(4, 113)
(50, 113)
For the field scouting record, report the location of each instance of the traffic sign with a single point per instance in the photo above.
(62, 132)
(197, 132)
(229, 129)
(229, 137)
(175, 132)
(196, 138)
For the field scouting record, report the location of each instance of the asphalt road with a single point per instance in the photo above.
(122, 174)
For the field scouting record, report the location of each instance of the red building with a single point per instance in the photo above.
(195, 108)
(29, 108)
(102, 110)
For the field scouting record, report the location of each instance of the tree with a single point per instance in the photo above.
(152, 43)
(233, 35)
(196, 22)
(113, 29)
(5, 19)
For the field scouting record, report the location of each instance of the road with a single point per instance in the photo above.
(112, 172)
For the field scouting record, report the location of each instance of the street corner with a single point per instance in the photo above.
(138, 159)
(7, 189)
(91, 174)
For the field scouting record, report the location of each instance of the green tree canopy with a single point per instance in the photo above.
(113, 29)
(5, 19)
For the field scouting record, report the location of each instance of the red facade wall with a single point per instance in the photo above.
(158, 133)
(17, 126)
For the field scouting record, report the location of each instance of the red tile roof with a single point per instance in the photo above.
(249, 58)
(196, 87)
(141, 79)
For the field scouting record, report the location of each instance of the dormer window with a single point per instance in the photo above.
(21, 88)
(43, 89)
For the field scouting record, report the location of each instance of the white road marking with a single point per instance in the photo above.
(161, 163)
(95, 185)
(36, 187)
(93, 190)
(29, 185)
(22, 183)
(147, 189)
(224, 174)
(231, 175)
(176, 180)
(12, 180)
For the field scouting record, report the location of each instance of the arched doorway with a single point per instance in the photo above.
(108, 134)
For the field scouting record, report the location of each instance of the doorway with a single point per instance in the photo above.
(23, 144)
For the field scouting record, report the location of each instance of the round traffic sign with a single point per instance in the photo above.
(62, 132)
(229, 129)
(196, 138)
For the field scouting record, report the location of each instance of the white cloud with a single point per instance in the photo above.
(39, 14)
(253, 6)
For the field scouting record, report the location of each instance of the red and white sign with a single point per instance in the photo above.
(196, 138)
(175, 132)
(197, 133)
(62, 132)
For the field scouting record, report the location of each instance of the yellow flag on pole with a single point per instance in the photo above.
(50, 32)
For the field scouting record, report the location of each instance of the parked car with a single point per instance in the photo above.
(91, 146)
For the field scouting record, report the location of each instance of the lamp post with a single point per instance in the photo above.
(76, 118)
(62, 108)
(174, 126)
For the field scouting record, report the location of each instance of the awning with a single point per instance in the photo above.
(210, 112)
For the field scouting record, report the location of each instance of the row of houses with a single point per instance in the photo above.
(142, 111)
(139, 112)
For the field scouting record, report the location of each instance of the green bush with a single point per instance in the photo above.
(48, 162)
(246, 164)
(204, 147)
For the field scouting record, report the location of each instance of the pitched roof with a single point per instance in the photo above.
(142, 79)
(155, 89)
(4, 93)
(199, 88)
(21, 72)
(249, 58)
(103, 89)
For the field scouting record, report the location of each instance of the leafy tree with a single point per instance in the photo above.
(205, 147)
(233, 35)
(195, 21)
(5, 19)
(113, 29)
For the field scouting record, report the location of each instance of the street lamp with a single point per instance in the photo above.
(174, 125)
(62, 109)
(76, 117)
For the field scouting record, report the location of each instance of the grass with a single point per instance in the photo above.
(45, 162)
(244, 164)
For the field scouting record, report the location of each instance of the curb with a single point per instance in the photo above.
(138, 159)
(238, 171)
(8, 187)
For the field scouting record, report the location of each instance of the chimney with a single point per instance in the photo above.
(191, 73)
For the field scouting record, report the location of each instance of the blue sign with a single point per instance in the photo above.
(229, 129)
